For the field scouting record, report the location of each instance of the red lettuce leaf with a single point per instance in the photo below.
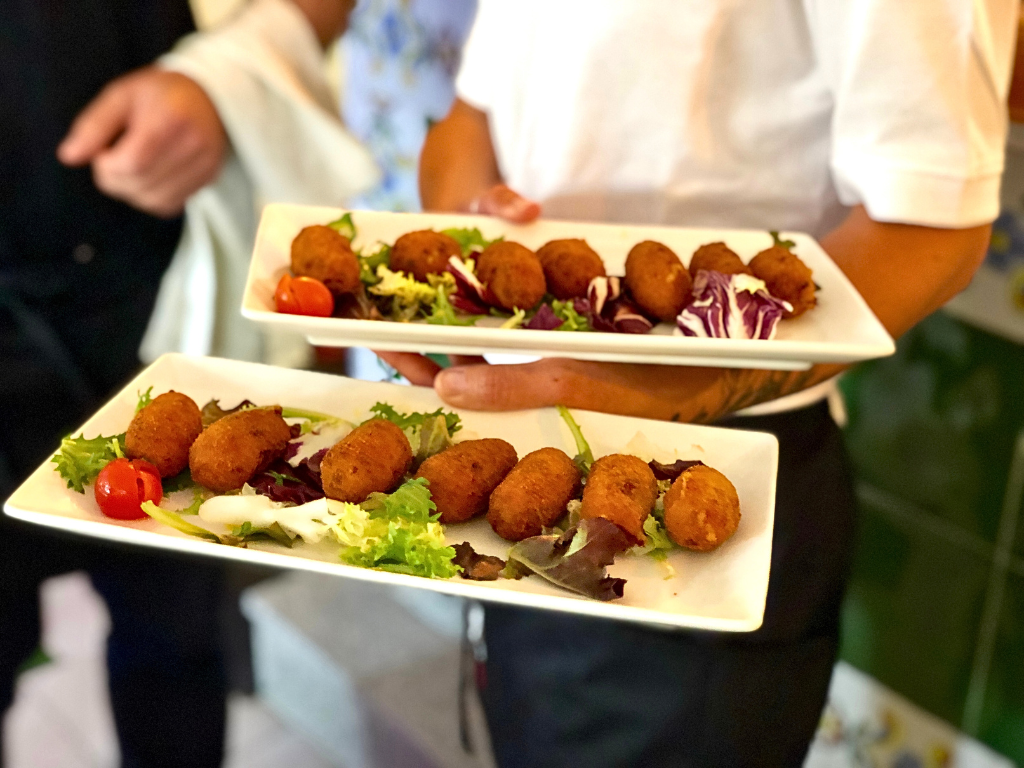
(544, 320)
(282, 482)
(477, 567)
(673, 470)
(577, 559)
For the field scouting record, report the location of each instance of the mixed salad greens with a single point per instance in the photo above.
(398, 531)
(723, 306)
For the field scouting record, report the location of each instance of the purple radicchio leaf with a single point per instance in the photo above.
(673, 470)
(609, 309)
(312, 465)
(282, 482)
(544, 320)
(470, 295)
(576, 560)
(626, 317)
(292, 449)
(601, 290)
(731, 306)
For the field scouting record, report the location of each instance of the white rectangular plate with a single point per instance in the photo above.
(840, 329)
(722, 590)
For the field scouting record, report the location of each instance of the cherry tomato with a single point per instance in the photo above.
(123, 485)
(303, 296)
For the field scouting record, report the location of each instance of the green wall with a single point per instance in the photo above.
(935, 608)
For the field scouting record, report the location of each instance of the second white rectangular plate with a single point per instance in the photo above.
(840, 329)
(721, 590)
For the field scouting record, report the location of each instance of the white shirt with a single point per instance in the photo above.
(770, 114)
(773, 114)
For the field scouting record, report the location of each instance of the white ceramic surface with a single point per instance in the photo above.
(722, 590)
(840, 329)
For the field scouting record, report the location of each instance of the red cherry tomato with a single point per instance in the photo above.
(303, 296)
(123, 485)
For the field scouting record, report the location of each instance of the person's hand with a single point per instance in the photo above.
(153, 138)
(677, 393)
(505, 203)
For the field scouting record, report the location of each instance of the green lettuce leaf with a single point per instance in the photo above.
(776, 240)
(571, 319)
(398, 532)
(145, 398)
(409, 297)
(515, 321)
(415, 420)
(584, 456)
(79, 460)
(470, 240)
(434, 438)
(344, 226)
(369, 262)
(179, 482)
(176, 521)
(658, 543)
(443, 313)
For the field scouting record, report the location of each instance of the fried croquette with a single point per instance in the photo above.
(423, 253)
(534, 494)
(233, 449)
(513, 273)
(163, 431)
(371, 458)
(569, 266)
(621, 488)
(462, 477)
(321, 253)
(658, 280)
(787, 278)
(702, 509)
(717, 257)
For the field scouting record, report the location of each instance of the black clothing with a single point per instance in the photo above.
(566, 691)
(79, 274)
(55, 57)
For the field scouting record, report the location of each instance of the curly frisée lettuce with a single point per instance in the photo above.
(415, 420)
(396, 532)
(399, 532)
(408, 296)
(79, 460)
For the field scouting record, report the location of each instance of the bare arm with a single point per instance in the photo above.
(459, 169)
(329, 18)
(903, 272)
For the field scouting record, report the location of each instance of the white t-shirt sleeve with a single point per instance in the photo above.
(919, 120)
(483, 56)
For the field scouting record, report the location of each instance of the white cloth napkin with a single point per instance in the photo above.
(264, 72)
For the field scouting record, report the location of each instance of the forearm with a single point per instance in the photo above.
(904, 274)
(457, 163)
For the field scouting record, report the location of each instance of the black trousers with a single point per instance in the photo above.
(568, 691)
(58, 362)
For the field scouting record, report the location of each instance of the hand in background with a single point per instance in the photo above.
(506, 204)
(153, 138)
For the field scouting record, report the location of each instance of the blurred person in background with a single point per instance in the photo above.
(99, 153)
(878, 128)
